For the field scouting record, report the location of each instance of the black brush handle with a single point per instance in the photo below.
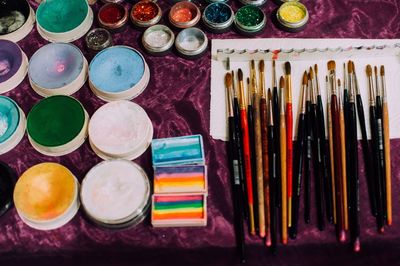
(369, 168)
(272, 185)
(276, 113)
(307, 165)
(379, 111)
(250, 121)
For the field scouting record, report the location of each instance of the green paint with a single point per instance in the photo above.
(178, 205)
(55, 121)
(249, 16)
(60, 16)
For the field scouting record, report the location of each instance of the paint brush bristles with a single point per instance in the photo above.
(228, 85)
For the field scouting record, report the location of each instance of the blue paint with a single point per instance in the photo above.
(116, 69)
(179, 169)
(218, 13)
(9, 118)
(55, 65)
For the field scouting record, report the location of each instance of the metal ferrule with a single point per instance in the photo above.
(274, 76)
(351, 88)
(230, 101)
(288, 83)
(328, 90)
(377, 88)
(282, 101)
(317, 85)
(345, 80)
(270, 114)
(332, 78)
(340, 97)
(384, 94)
(242, 95)
(303, 99)
(249, 93)
(371, 91)
(313, 93)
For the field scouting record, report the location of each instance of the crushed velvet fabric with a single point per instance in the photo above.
(177, 101)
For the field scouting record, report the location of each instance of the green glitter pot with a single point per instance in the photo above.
(218, 17)
(250, 20)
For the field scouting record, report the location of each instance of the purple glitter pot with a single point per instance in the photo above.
(218, 17)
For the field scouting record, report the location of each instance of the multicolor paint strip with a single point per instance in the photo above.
(179, 210)
(175, 179)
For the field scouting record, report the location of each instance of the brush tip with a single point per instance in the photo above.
(331, 65)
(261, 66)
(339, 82)
(316, 69)
(305, 78)
(240, 74)
(228, 80)
(357, 245)
(269, 94)
(288, 68)
(369, 70)
(382, 70)
(282, 82)
(273, 63)
(350, 67)
(311, 73)
(376, 71)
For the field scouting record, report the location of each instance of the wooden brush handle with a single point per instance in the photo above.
(388, 171)
(283, 178)
(344, 171)
(332, 162)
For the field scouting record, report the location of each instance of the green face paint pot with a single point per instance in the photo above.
(63, 21)
(57, 125)
(250, 20)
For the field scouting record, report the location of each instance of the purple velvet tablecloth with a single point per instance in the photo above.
(177, 101)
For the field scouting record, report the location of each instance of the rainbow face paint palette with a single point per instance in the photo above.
(116, 194)
(179, 150)
(12, 124)
(46, 196)
(13, 65)
(120, 129)
(16, 19)
(57, 69)
(118, 73)
(179, 210)
(57, 125)
(7, 184)
(63, 21)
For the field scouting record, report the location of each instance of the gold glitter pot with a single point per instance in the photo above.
(292, 16)
(158, 39)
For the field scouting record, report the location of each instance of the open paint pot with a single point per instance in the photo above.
(13, 65)
(120, 129)
(292, 16)
(191, 43)
(12, 124)
(250, 20)
(145, 13)
(118, 73)
(63, 21)
(16, 19)
(57, 69)
(98, 39)
(253, 2)
(116, 194)
(218, 17)
(46, 196)
(112, 16)
(7, 184)
(184, 14)
(57, 125)
(158, 39)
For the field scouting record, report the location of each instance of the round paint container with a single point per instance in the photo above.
(13, 65)
(292, 16)
(16, 19)
(158, 39)
(218, 17)
(46, 196)
(7, 184)
(191, 43)
(12, 124)
(250, 20)
(57, 125)
(116, 194)
(184, 14)
(145, 13)
(112, 16)
(63, 21)
(253, 2)
(98, 39)
(118, 73)
(120, 130)
(57, 69)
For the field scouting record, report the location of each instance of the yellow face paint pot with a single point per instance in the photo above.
(292, 16)
(46, 196)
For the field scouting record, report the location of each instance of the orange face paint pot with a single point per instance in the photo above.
(145, 13)
(184, 15)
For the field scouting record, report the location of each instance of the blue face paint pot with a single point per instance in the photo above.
(218, 17)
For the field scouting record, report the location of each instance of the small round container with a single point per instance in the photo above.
(280, 2)
(98, 39)
(118, 73)
(8, 179)
(12, 124)
(57, 69)
(17, 19)
(116, 194)
(218, 17)
(120, 130)
(292, 16)
(57, 125)
(13, 65)
(191, 43)
(158, 39)
(184, 14)
(112, 16)
(63, 21)
(46, 196)
(253, 2)
(145, 13)
(250, 20)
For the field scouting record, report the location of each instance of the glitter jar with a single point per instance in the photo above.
(145, 13)
(112, 16)
(184, 14)
(158, 39)
(250, 20)
(292, 17)
(253, 2)
(98, 39)
(191, 43)
(218, 17)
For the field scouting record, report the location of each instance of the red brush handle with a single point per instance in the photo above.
(247, 156)
(289, 147)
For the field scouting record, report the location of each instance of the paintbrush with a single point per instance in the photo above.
(298, 160)
(246, 152)
(307, 159)
(275, 105)
(344, 135)
(289, 138)
(386, 138)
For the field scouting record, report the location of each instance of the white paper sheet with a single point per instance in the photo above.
(302, 54)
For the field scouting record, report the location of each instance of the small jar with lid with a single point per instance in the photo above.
(292, 17)
(158, 40)
(218, 17)
(250, 20)
(98, 39)
(113, 16)
(191, 43)
(145, 13)
(184, 14)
